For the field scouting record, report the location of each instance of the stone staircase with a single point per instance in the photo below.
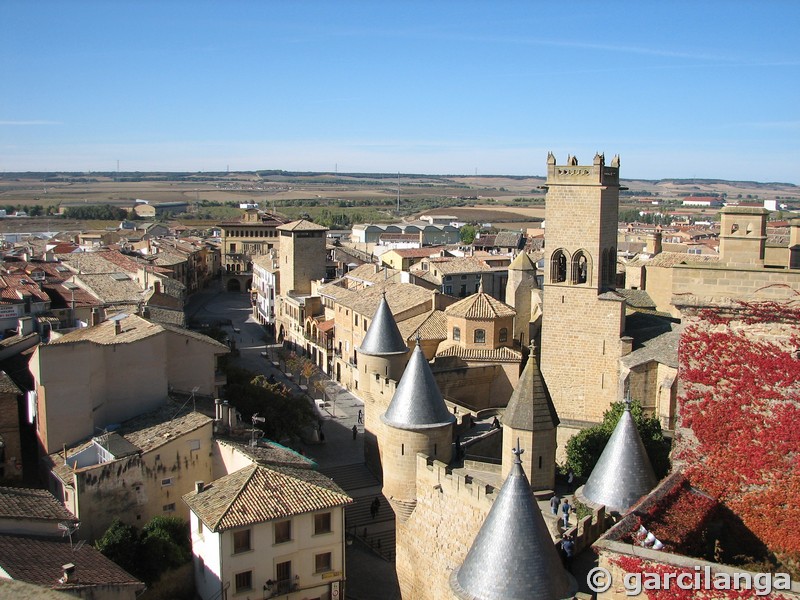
(363, 487)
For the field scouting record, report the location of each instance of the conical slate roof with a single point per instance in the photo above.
(530, 407)
(417, 402)
(523, 262)
(513, 556)
(383, 337)
(624, 473)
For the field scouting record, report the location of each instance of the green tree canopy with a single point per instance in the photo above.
(584, 448)
(468, 233)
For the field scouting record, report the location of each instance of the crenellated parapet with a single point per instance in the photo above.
(571, 173)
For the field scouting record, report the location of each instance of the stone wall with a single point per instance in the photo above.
(449, 513)
(581, 349)
(695, 284)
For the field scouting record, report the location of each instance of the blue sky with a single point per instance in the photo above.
(678, 89)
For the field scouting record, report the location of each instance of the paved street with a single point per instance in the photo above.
(369, 575)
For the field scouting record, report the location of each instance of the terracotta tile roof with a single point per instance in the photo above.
(418, 252)
(39, 560)
(20, 284)
(430, 326)
(480, 306)
(302, 225)
(146, 432)
(109, 289)
(7, 386)
(256, 494)
(269, 453)
(502, 354)
(371, 272)
(365, 301)
(466, 264)
(134, 328)
(31, 504)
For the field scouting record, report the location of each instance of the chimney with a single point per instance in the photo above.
(653, 243)
(95, 317)
(157, 287)
(69, 573)
(217, 409)
(199, 486)
(117, 327)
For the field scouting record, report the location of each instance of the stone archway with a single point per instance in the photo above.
(233, 285)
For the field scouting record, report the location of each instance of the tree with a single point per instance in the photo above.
(584, 448)
(162, 544)
(468, 233)
(120, 543)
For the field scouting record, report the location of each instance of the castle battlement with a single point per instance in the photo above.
(574, 174)
(432, 473)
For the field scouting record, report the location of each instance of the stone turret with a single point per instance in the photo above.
(794, 244)
(743, 235)
(381, 360)
(417, 420)
(513, 556)
(531, 418)
(623, 474)
(519, 293)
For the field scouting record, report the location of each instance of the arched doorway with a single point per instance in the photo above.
(234, 285)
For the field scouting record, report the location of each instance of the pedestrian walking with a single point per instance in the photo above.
(554, 502)
(360, 416)
(375, 507)
(568, 547)
(566, 508)
(355, 432)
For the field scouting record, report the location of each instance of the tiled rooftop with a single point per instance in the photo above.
(480, 306)
(39, 561)
(256, 494)
(502, 354)
(146, 432)
(31, 504)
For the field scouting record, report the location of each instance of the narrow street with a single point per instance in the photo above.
(369, 558)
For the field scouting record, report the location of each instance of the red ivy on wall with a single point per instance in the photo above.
(632, 564)
(740, 416)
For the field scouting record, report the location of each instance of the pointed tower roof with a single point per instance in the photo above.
(513, 556)
(417, 402)
(523, 262)
(530, 407)
(480, 306)
(624, 473)
(383, 337)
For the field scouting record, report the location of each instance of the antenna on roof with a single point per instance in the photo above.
(68, 529)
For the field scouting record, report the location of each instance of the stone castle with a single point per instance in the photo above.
(450, 537)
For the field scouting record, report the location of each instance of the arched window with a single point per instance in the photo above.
(580, 268)
(558, 267)
(503, 335)
(456, 334)
(480, 336)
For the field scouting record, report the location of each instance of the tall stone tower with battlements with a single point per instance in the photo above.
(583, 318)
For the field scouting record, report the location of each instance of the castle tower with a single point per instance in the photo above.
(302, 256)
(381, 358)
(530, 419)
(794, 244)
(513, 556)
(417, 420)
(623, 474)
(583, 319)
(743, 235)
(519, 294)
